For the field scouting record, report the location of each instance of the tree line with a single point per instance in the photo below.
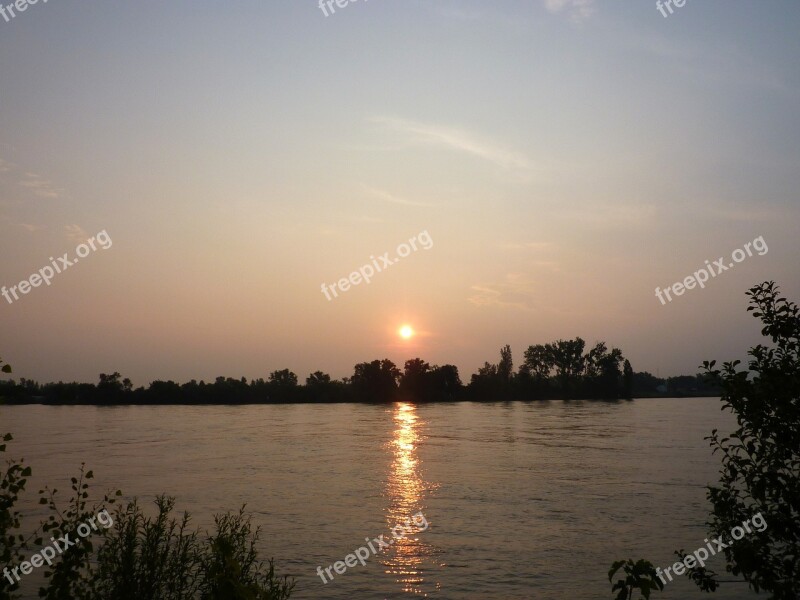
(563, 369)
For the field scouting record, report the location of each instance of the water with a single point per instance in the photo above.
(523, 500)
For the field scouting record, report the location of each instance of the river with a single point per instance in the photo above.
(522, 500)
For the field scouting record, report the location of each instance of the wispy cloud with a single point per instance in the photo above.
(31, 181)
(75, 233)
(455, 139)
(29, 227)
(40, 186)
(578, 9)
(517, 291)
(389, 197)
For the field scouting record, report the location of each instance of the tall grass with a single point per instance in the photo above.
(139, 557)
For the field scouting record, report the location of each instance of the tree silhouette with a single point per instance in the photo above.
(414, 383)
(760, 470)
(375, 381)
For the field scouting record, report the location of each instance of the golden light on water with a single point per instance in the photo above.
(406, 489)
(405, 480)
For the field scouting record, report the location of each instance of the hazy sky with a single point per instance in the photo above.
(566, 158)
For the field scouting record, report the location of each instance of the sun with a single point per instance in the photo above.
(406, 332)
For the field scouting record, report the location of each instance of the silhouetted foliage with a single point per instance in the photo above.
(375, 381)
(760, 471)
(761, 459)
(555, 370)
(138, 557)
(13, 479)
(639, 575)
(421, 382)
(627, 380)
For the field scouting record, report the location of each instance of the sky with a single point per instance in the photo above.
(564, 158)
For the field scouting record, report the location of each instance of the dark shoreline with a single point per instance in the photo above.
(319, 402)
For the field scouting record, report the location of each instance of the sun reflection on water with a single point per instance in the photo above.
(406, 491)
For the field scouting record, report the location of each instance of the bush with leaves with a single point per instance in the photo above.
(12, 483)
(138, 557)
(72, 574)
(161, 558)
(761, 459)
(13, 479)
(640, 575)
(231, 568)
(760, 470)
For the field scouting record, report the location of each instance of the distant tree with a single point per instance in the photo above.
(318, 378)
(110, 382)
(568, 360)
(505, 368)
(227, 390)
(483, 384)
(682, 385)
(627, 380)
(111, 388)
(283, 378)
(593, 358)
(539, 362)
(609, 380)
(6, 368)
(646, 384)
(164, 392)
(320, 388)
(414, 381)
(602, 371)
(375, 381)
(445, 382)
(493, 381)
(568, 357)
(488, 370)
